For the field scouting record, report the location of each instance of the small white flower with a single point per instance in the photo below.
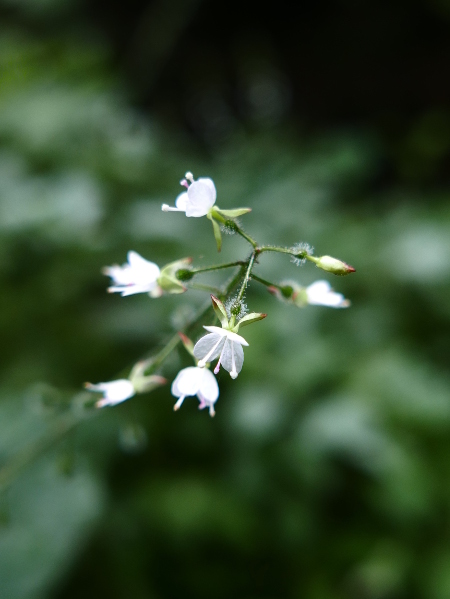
(225, 344)
(136, 276)
(197, 200)
(196, 381)
(320, 293)
(114, 392)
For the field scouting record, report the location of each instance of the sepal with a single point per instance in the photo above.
(217, 232)
(168, 280)
(234, 213)
(220, 311)
(143, 383)
(249, 319)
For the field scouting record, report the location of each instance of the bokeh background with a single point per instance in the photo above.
(325, 473)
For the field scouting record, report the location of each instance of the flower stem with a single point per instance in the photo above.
(264, 282)
(196, 271)
(208, 288)
(240, 232)
(276, 248)
(248, 272)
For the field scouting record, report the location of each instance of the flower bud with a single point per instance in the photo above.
(336, 267)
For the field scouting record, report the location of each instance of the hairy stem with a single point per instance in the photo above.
(248, 272)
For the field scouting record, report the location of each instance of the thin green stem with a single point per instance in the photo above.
(264, 282)
(208, 288)
(240, 232)
(276, 248)
(196, 271)
(248, 272)
(217, 216)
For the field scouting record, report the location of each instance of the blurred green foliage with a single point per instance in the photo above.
(323, 475)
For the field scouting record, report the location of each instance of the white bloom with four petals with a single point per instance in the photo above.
(138, 275)
(114, 392)
(196, 381)
(199, 198)
(225, 344)
(321, 293)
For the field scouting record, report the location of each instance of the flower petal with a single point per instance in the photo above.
(182, 201)
(217, 330)
(115, 391)
(236, 338)
(232, 358)
(143, 268)
(202, 195)
(320, 293)
(209, 389)
(187, 381)
(209, 346)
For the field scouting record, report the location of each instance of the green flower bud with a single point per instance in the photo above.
(330, 264)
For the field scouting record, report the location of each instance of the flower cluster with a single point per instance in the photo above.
(224, 343)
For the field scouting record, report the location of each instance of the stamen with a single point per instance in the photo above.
(184, 183)
(233, 371)
(177, 406)
(189, 176)
(167, 208)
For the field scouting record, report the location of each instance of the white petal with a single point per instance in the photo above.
(210, 183)
(132, 289)
(236, 338)
(187, 381)
(321, 294)
(181, 201)
(114, 391)
(232, 358)
(209, 346)
(143, 269)
(201, 197)
(217, 330)
(120, 275)
(209, 389)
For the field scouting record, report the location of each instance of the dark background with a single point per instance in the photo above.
(324, 474)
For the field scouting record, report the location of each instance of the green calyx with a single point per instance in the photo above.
(169, 279)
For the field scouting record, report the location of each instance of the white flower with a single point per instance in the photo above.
(197, 200)
(320, 293)
(196, 381)
(136, 276)
(114, 392)
(222, 343)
